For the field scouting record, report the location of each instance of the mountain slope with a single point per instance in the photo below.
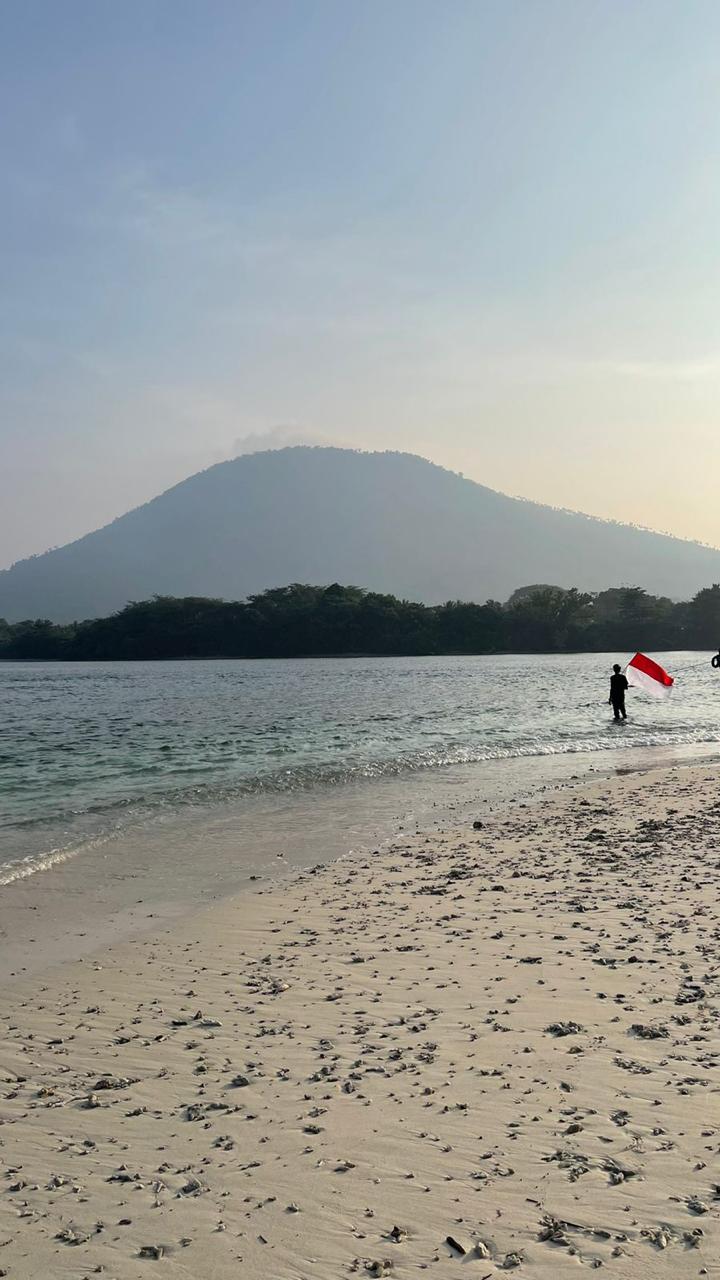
(388, 521)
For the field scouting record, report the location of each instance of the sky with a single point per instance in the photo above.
(485, 231)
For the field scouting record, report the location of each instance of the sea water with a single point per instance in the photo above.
(94, 753)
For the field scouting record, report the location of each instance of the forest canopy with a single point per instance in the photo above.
(300, 620)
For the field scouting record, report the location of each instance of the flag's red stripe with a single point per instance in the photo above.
(650, 668)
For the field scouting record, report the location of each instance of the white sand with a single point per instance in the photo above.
(333, 1077)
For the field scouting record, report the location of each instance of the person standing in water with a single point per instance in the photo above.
(618, 685)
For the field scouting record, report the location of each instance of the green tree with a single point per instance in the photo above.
(703, 618)
(550, 619)
(629, 618)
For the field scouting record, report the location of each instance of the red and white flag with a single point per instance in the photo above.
(643, 673)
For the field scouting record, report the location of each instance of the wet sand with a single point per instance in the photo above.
(491, 1048)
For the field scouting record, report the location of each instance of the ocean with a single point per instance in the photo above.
(220, 755)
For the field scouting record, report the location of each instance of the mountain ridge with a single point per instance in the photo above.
(392, 520)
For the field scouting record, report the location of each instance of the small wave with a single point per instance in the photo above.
(11, 872)
(306, 777)
(105, 820)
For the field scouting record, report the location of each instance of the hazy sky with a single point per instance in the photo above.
(486, 231)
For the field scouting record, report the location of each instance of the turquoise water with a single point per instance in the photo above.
(89, 750)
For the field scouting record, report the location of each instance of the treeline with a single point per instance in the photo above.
(302, 620)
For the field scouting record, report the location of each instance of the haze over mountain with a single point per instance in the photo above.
(387, 521)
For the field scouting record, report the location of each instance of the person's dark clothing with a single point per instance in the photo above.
(618, 685)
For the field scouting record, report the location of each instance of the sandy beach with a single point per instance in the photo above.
(492, 1048)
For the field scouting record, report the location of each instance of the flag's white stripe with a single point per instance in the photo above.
(640, 680)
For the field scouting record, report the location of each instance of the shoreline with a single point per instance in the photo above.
(165, 868)
(338, 1074)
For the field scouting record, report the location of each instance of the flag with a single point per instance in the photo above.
(643, 673)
